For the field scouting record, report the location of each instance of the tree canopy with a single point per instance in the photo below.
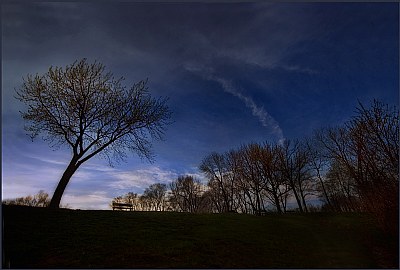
(84, 107)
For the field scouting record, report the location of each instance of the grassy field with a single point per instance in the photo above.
(44, 238)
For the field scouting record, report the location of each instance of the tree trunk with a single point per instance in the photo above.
(303, 199)
(296, 195)
(278, 204)
(71, 169)
(324, 191)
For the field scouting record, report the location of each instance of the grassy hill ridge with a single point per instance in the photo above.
(45, 238)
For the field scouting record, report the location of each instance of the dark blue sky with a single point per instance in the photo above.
(234, 72)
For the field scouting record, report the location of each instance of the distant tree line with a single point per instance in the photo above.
(350, 168)
(153, 198)
(39, 200)
(185, 194)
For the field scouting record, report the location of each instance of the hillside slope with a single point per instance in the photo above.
(45, 238)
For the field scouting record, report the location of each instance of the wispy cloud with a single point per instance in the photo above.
(297, 68)
(259, 112)
(17, 188)
(24, 174)
(49, 161)
(94, 200)
(263, 116)
(140, 179)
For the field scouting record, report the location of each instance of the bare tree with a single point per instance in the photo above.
(186, 192)
(221, 182)
(342, 188)
(91, 112)
(250, 175)
(294, 164)
(276, 188)
(155, 193)
(38, 200)
(131, 198)
(367, 147)
(319, 163)
(146, 203)
(374, 134)
(240, 191)
(247, 180)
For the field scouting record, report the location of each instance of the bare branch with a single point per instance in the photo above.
(92, 112)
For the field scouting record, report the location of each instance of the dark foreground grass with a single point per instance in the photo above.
(44, 238)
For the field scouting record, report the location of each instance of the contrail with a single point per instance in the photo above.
(263, 116)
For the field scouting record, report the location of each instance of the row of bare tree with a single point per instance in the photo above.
(256, 176)
(152, 199)
(41, 199)
(353, 167)
(185, 194)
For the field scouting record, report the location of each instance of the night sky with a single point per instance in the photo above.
(234, 73)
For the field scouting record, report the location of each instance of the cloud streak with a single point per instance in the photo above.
(260, 113)
(263, 116)
(95, 200)
(138, 180)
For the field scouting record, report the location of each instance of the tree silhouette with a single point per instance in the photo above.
(91, 112)
(186, 192)
(215, 167)
(156, 194)
(367, 148)
(39, 200)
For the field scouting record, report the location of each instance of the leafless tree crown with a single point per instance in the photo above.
(86, 108)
